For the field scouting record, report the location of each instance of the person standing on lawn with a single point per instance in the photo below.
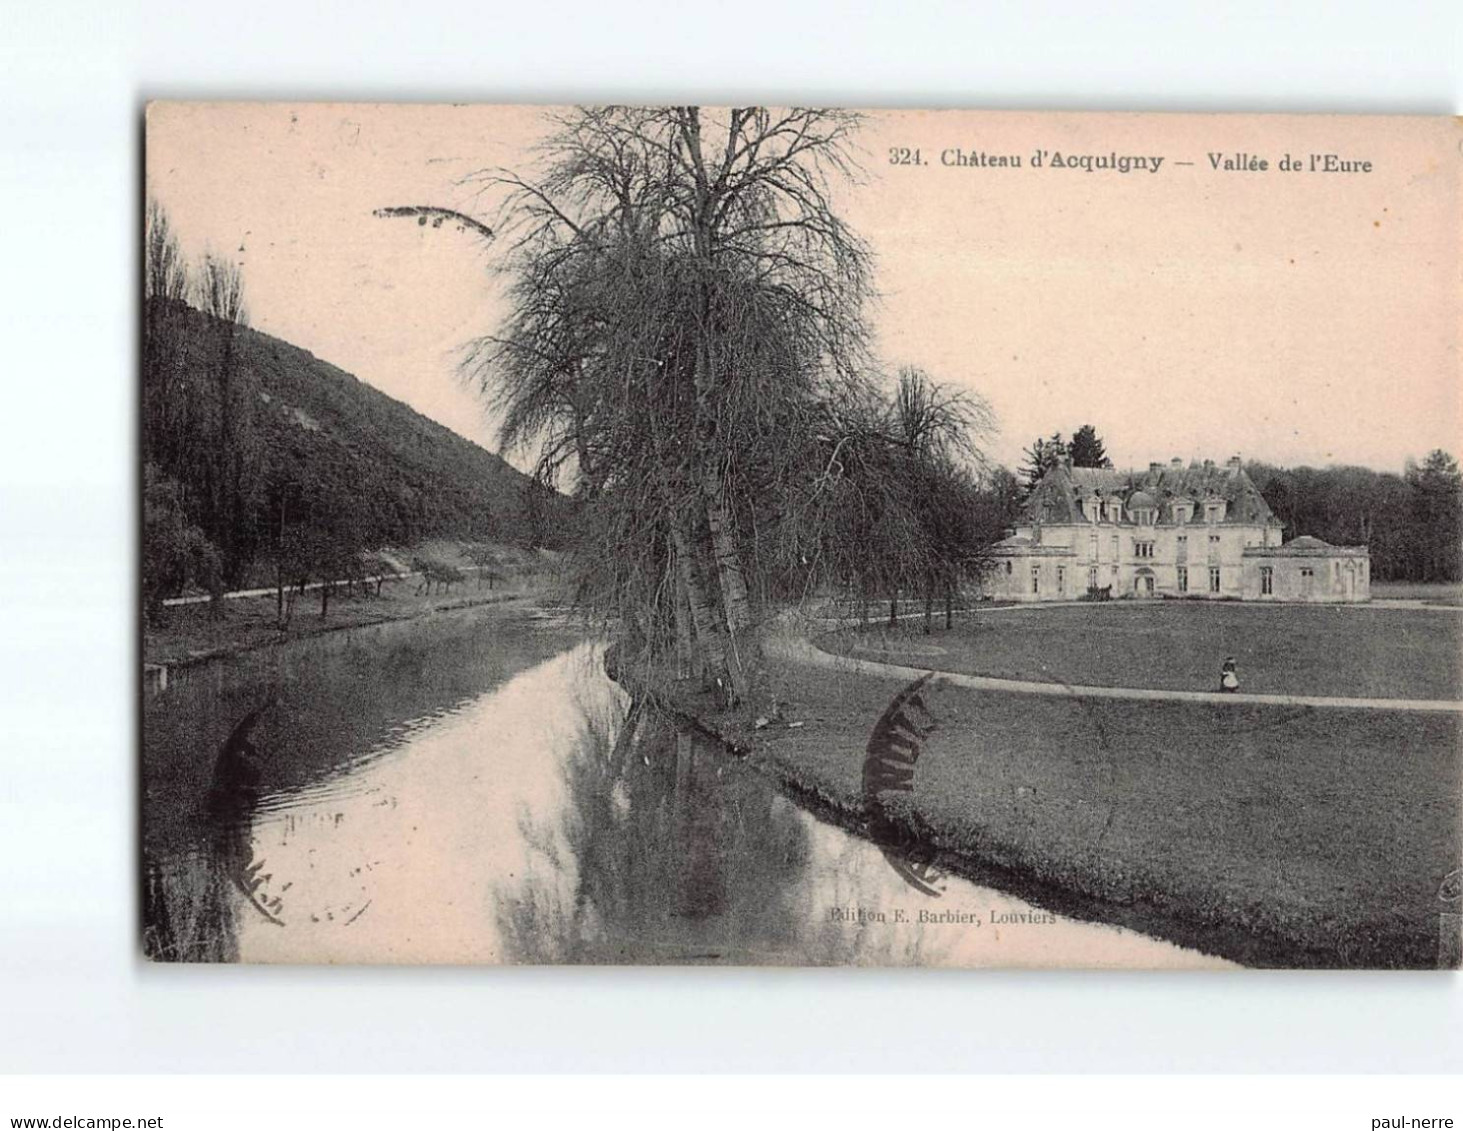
(1228, 675)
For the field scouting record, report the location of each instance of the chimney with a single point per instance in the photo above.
(1176, 463)
(1234, 463)
(1154, 468)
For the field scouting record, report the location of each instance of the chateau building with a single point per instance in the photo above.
(1200, 531)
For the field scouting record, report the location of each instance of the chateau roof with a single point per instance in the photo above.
(1056, 499)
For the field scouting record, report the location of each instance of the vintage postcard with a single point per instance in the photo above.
(647, 535)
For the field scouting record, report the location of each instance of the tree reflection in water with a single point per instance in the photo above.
(188, 902)
(536, 824)
(190, 908)
(666, 850)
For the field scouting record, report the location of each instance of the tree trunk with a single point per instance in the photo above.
(709, 649)
(710, 391)
(225, 519)
(685, 639)
(893, 610)
(724, 549)
(736, 607)
(324, 599)
(949, 607)
(929, 604)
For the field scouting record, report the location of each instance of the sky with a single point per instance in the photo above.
(1294, 317)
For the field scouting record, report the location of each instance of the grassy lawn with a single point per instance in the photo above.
(1270, 835)
(1180, 645)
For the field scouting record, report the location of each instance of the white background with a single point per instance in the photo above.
(73, 76)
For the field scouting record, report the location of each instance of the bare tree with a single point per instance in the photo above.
(165, 271)
(198, 406)
(684, 297)
(221, 290)
(940, 429)
(233, 466)
(167, 285)
(894, 504)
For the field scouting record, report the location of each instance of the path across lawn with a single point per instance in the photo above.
(1393, 658)
(809, 653)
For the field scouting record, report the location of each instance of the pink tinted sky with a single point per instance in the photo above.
(1297, 318)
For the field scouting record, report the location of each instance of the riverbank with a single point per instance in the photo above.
(194, 634)
(436, 575)
(1270, 836)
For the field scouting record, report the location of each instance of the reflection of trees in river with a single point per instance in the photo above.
(343, 696)
(188, 909)
(666, 849)
(643, 843)
(191, 897)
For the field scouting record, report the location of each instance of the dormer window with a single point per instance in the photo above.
(1182, 512)
(1144, 508)
(1214, 512)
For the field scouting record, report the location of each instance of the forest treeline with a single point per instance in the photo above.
(264, 464)
(1409, 522)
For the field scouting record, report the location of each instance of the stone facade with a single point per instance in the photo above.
(1200, 531)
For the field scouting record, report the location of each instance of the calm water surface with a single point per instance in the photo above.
(458, 789)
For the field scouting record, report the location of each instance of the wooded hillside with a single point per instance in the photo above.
(258, 453)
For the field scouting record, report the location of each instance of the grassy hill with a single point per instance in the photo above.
(258, 445)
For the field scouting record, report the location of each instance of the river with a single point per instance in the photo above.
(453, 789)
